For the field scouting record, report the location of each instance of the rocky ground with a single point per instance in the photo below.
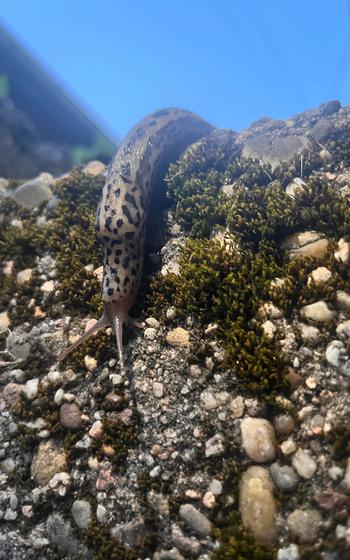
(209, 446)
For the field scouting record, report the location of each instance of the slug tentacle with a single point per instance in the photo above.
(137, 170)
(103, 322)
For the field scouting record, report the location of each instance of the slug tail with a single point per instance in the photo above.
(118, 328)
(103, 322)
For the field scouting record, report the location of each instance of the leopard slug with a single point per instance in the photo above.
(122, 214)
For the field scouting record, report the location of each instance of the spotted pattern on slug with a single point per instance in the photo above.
(122, 213)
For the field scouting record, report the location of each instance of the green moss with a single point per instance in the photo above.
(118, 436)
(99, 541)
(228, 287)
(339, 438)
(238, 544)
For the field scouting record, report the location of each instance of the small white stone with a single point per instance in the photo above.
(208, 500)
(171, 313)
(343, 252)
(90, 363)
(344, 328)
(24, 276)
(31, 388)
(309, 334)
(158, 389)
(319, 275)
(237, 406)
(215, 487)
(208, 401)
(335, 353)
(4, 320)
(269, 329)
(318, 311)
(343, 300)
(58, 398)
(116, 378)
(304, 464)
(152, 322)
(258, 439)
(48, 286)
(150, 333)
(288, 447)
(214, 446)
(101, 513)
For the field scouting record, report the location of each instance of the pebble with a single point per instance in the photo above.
(290, 552)
(257, 504)
(172, 554)
(90, 363)
(94, 168)
(195, 520)
(304, 464)
(304, 524)
(178, 337)
(269, 311)
(150, 333)
(188, 545)
(101, 513)
(318, 311)
(343, 252)
(269, 329)
(104, 480)
(319, 275)
(158, 389)
(343, 300)
(8, 466)
(258, 438)
(40, 542)
(96, 430)
(34, 192)
(309, 334)
(12, 393)
(335, 473)
(284, 477)
(335, 353)
(31, 388)
(208, 500)
(130, 534)
(24, 276)
(237, 406)
(152, 322)
(208, 401)
(58, 398)
(70, 416)
(214, 446)
(288, 447)
(215, 487)
(4, 320)
(306, 244)
(284, 424)
(48, 287)
(10, 515)
(48, 460)
(81, 513)
(344, 328)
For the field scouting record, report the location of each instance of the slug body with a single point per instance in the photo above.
(122, 214)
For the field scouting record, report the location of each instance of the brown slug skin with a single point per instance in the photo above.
(123, 210)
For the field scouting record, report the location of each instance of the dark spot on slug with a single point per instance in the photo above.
(127, 279)
(110, 291)
(120, 222)
(108, 223)
(126, 262)
(130, 198)
(129, 235)
(126, 212)
(117, 193)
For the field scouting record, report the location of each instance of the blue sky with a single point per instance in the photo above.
(230, 61)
